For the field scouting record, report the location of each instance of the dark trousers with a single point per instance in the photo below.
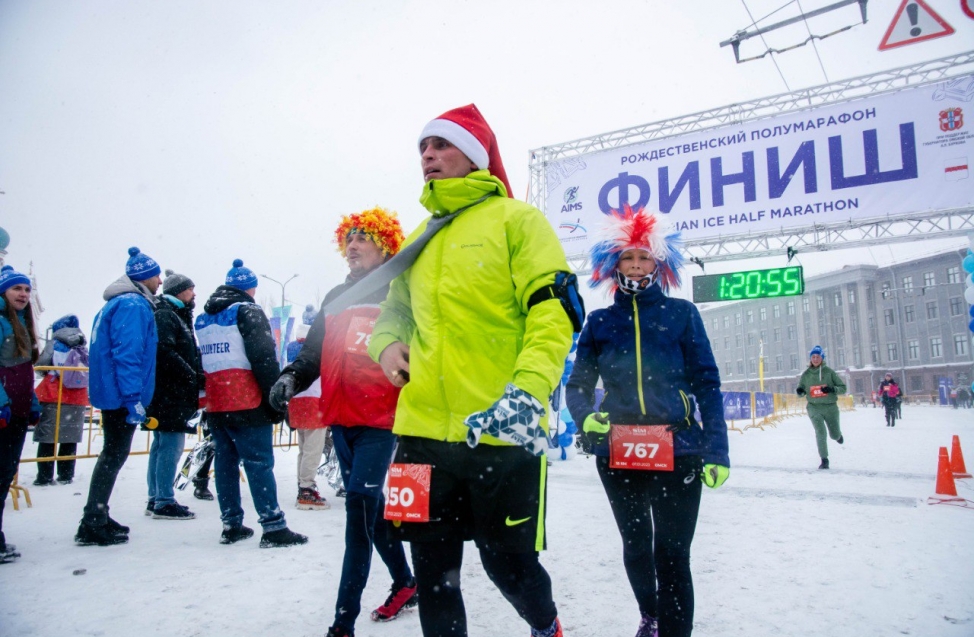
(364, 528)
(65, 468)
(656, 513)
(11, 446)
(118, 436)
(519, 577)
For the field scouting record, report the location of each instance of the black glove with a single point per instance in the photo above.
(800, 391)
(828, 389)
(282, 392)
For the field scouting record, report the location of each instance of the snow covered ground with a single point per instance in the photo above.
(781, 549)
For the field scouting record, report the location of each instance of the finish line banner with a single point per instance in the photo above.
(887, 155)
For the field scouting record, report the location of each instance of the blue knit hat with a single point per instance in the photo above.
(69, 320)
(817, 350)
(309, 314)
(10, 277)
(141, 266)
(240, 277)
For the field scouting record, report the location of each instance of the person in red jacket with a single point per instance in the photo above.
(359, 404)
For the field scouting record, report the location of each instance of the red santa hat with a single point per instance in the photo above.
(466, 128)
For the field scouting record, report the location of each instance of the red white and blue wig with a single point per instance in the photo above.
(640, 229)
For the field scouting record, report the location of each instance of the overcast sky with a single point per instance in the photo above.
(204, 131)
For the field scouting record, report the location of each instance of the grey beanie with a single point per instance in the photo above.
(176, 283)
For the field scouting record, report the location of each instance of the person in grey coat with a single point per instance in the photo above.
(67, 348)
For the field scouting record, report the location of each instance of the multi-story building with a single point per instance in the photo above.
(910, 319)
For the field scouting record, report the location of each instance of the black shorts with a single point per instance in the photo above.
(493, 495)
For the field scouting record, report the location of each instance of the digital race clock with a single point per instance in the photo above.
(750, 284)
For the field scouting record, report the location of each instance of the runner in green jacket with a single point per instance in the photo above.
(821, 386)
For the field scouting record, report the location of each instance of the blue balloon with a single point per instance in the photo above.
(969, 262)
(971, 325)
(971, 311)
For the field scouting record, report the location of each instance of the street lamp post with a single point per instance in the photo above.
(283, 286)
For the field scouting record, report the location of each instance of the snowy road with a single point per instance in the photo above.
(781, 550)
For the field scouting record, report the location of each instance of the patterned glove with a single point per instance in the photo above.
(800, 391)
(515, 417)
(4, 417)
(828, 389)
(282, 392)
(34, 417)
(596, 428)
(136, 414)
(714, 475)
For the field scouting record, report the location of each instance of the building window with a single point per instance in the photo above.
(953, 274)
(852, 295)
(908, 284)
(779, 363)
(715, 323)
(869, 294)
(841, 357)
(740, 366)
(929, 279)
(752, 366)
(808, 329)
(913, 350)
(750, 338)
(750, 316)
(727, 342)
(727, 321)
(909, 314)
(936, 347)
(791, 308)
(777, 335)
(887, 286)
(820, 301)
(871, 321)
(764, 336)
(855, 358)
(728, 369)
(805, 304)
(737, 340)
(888, 317)
(764, 314)
(737, 319)
(794, 361)
(960, 344)
(776, 311)
(858, 385)
(956, 307)
(916, 383)
(791, 332)
(932, 312)
(840, 325)
(837, 299)
(891, 352)
(874, 353)
(713, 345)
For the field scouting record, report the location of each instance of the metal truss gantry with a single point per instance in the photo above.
(884, 230)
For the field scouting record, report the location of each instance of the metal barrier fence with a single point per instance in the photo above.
(760, 409)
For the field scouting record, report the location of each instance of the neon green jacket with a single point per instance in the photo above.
(462, 308)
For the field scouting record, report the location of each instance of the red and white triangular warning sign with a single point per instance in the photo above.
(914, 22)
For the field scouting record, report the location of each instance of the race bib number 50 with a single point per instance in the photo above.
(408, 499)
(647, 448)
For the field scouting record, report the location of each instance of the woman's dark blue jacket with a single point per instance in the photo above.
(649, 348)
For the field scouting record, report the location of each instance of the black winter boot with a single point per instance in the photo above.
(281, 537)
(88, 535)
(825, 464)
(234, 534)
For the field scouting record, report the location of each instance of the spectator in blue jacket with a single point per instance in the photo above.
(654, 357)
(122, 367)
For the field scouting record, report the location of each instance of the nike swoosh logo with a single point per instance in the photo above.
(370, 486)
(510, 522)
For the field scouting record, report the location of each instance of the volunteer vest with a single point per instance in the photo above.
(230, 381)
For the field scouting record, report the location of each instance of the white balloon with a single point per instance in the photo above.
(969, 295)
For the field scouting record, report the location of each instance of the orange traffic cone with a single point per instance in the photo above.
(957, 466)
(945, 479)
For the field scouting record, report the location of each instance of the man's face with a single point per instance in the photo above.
(442, 160)
(18, 296)
(362, 254)
(187, 295)
(636, 264)
(152, 284)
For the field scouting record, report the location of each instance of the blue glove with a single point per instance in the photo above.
(136, 414)
(34, 417)
(715, 475)
(4, 416)
(514, 418)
